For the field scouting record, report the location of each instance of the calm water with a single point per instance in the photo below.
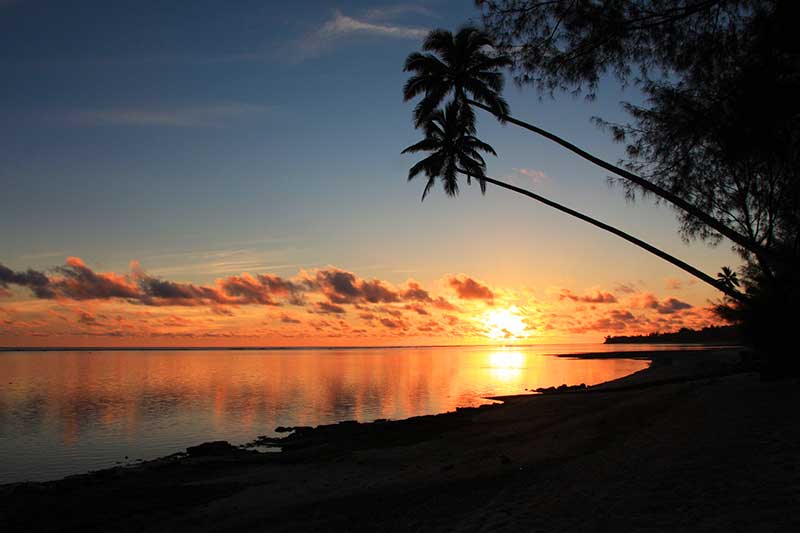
(67, 412)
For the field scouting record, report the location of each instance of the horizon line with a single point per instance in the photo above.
(7, 349)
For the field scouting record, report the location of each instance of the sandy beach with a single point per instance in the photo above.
(695, 442)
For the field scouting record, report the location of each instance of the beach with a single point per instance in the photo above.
(697, 441)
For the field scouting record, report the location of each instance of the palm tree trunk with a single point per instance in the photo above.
(707, 219)
(699, 274)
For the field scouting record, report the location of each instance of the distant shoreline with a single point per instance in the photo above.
(712, 335)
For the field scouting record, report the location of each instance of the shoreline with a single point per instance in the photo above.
(534, 459)
(274, 442)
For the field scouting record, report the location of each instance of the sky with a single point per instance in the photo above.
(229, 173)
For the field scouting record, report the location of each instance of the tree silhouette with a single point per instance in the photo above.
(728, 277)
(719, 126)
(450, 139)
(453, 149)
(461, 64)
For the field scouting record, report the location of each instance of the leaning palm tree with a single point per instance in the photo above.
(463, 64)
(453, 149)
(465, 68)
(450, 139)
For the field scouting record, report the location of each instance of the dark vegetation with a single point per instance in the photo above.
(710, 335)
(717, 137)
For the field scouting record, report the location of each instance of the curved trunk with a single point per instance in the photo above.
(707, 219)
(699, 274)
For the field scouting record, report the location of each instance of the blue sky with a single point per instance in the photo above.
(211, 138)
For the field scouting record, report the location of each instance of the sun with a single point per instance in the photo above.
(504, 324)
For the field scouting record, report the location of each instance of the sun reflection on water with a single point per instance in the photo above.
(507, 365)
(68, 412)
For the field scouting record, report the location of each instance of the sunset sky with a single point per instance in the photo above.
(229, 173)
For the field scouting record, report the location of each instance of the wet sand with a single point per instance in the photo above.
(695, 442)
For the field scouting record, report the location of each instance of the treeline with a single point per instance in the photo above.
(709, 335)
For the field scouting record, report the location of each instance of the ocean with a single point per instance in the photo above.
(68, 412)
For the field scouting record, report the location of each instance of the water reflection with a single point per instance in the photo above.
(67, 412)
(506, 365)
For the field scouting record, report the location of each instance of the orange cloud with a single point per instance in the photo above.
(468, 289)
(598, 297)
(74, 303)
(665, 307)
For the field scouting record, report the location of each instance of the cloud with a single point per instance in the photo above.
(87, 318)
(441, 303)
(393, 323)
(673, 284)
(430, 326)
(417, 308)
(79, 282)
(76, 281)
(390, 12)
(329, 308)
(286, 319)
(531, 174)
(667, 306)
(262, 289)
(626, 288)
(342, 27)
(416, 293)
(198, 116)
(342, 287)
(38, 282)
(615, 320)
(158, 292)
(598, 297)
(153, 306)
(468, 289)
(671, 305)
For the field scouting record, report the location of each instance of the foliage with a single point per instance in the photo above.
(720, 126)
(450, 139)
(570, 44)
(459, 64)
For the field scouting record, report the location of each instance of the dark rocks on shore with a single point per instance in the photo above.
(217, 448)
(289, 429)
(349, 435)
(562, 388)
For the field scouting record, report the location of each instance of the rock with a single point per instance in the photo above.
(562, 388)
(212, 449)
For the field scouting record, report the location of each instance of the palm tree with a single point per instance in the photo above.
(728, 277)
(462, 64)
(453, 149)
(450, 137)
(464, 67)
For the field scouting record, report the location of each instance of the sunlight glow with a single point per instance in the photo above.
(504, 324)
(507, 365)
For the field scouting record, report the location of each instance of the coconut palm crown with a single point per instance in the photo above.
(462, 64)
(453, 149)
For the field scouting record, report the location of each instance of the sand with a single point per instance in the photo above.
(697, 442)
